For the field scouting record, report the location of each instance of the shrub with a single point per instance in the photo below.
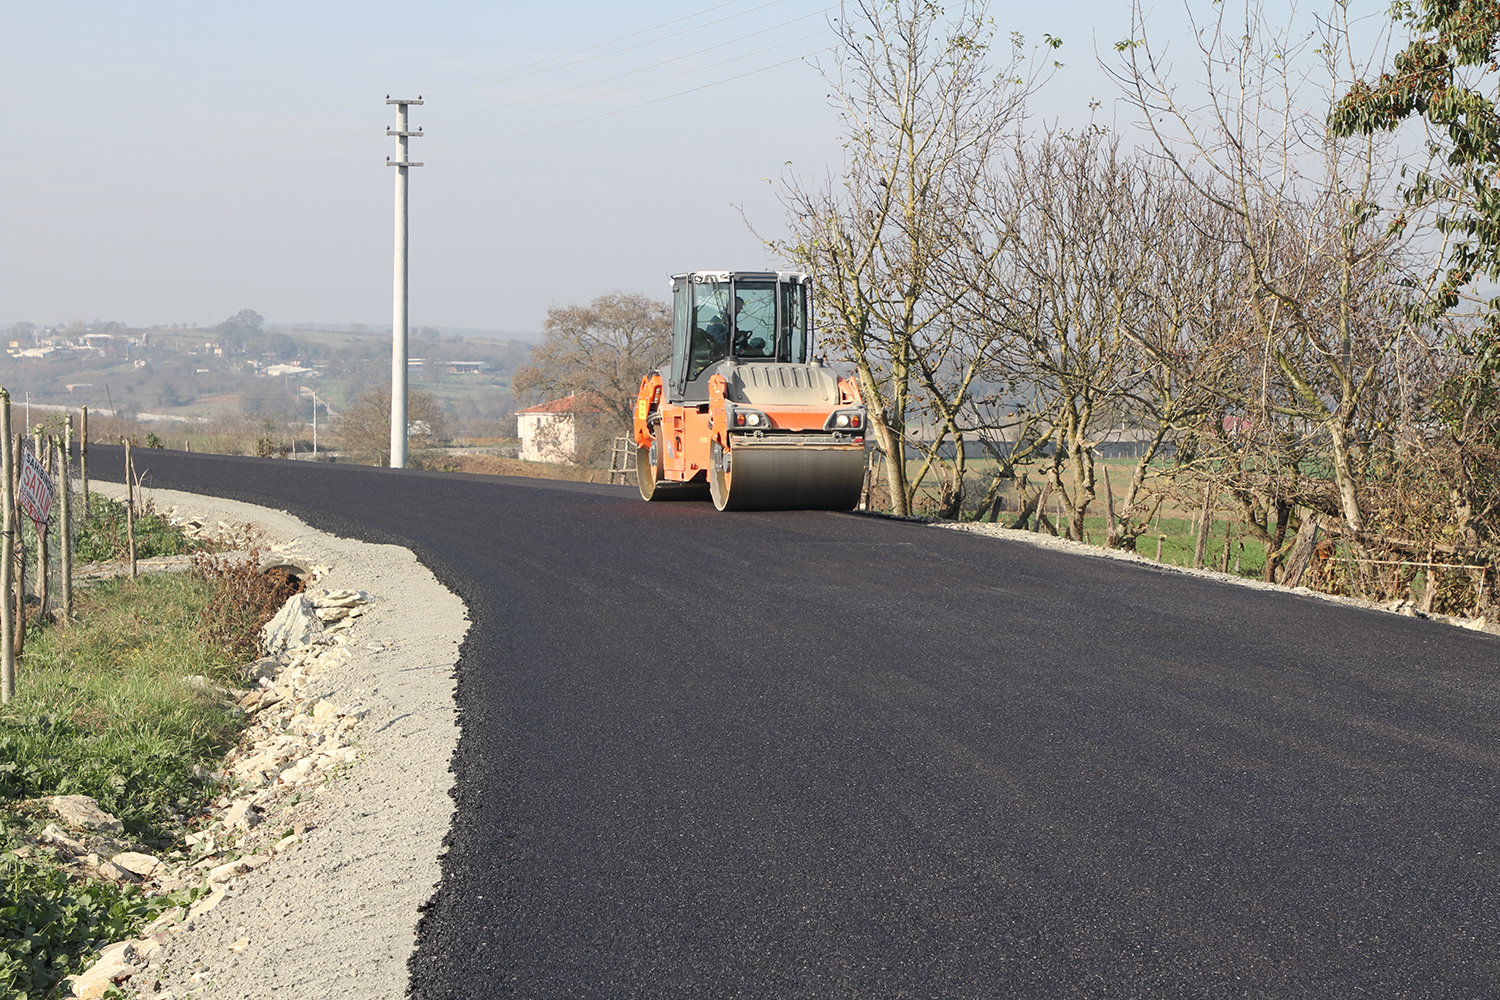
(243, 600)
(104, 537)
(50, 925)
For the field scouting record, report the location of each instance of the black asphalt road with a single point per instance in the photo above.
(779, 755)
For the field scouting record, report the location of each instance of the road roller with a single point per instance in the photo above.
(742, 413)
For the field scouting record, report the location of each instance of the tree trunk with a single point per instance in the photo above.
(1028, 508)
(1111, 526)
(1205, 525)
(895, 464)
(1302, 551)
(1041, 507)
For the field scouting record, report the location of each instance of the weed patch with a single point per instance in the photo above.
(123, 705)
(50, 923)
(102, 707)
(242, 600)
(105, 538)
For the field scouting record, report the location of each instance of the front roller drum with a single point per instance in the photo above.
(787, 477)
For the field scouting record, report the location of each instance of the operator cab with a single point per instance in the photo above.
(723, 317)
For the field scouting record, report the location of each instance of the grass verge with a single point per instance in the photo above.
(124, 705)
(104, 537)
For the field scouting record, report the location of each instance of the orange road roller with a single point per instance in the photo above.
(741, 413)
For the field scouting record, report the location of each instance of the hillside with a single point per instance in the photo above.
(245, 368)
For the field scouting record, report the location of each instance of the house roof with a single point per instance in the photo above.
(571, 403)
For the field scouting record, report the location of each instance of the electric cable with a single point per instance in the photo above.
(465, 145)
(357, 107)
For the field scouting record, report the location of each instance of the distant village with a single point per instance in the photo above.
(244, 366)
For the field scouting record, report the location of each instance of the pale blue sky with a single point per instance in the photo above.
(178, 162)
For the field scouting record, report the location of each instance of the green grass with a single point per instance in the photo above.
(1177, 546)
(51, 925)
(104, 537)
(102, 709)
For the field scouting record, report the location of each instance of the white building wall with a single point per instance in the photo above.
(562, 437)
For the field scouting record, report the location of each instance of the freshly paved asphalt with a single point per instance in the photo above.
(777, 755)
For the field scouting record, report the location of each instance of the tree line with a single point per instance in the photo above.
(1276, 298)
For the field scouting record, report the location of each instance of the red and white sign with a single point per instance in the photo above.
(36, 488)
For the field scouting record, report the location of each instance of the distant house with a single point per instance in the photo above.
(468, 367)
(550, 431)
(275, 370)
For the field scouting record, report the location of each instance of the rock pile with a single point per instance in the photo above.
(233, 536)
(293, 744)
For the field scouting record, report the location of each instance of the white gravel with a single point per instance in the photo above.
(336, 915)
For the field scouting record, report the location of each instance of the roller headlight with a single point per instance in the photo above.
(749, 420)
(845, 420)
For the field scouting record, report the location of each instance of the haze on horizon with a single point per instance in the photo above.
(175, 163)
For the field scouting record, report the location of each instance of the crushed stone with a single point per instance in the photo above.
(334, 909)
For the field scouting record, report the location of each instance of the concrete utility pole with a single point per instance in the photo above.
(315, 401)
(398, 298)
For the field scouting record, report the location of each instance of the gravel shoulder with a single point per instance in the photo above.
(336, 915)
(1082, 549)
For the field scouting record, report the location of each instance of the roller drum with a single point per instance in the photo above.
(790, 477)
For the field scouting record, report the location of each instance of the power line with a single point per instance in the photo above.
(346, 110)
(515, 74)
(616, 111)
(358, 138)
(642, 69)
(300, 121)
(364, 162)
(348, 139)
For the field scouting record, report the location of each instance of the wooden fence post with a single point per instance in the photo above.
(65, 520)
(130, 504)
(83, 461)
(1111, 526)
(18, 637)
(7, 557)
(43, 571)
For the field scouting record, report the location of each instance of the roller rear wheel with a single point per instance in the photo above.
(718, 477)
(651, 477)
(648, 468)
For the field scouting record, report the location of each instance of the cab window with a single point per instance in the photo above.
(712, 317)
(755, 320)
(792, 338)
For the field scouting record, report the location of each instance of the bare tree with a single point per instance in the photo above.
(1102, 309)
(1325, 297)
(364, 429)
(598, 352)
(1177, 350)
(890, 243)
